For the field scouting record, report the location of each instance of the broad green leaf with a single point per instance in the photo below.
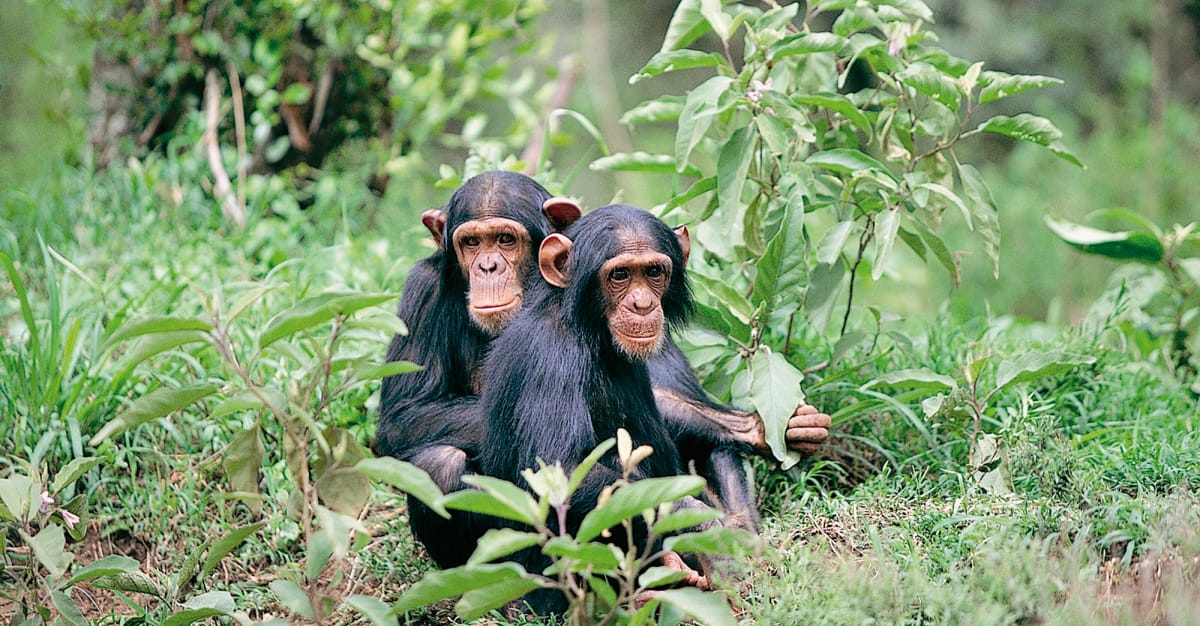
(1128, 245)
(698, 188)
(227, 544)
(997, 85)
(581, 471)
(687, 25)
(806, 43)
(934, 243)
(296, 93)
(477, 602)
(246, 300)
(381, 320)
(1125, 215)
(664, 62)
(1191, 267)
(931, 82)
(407, 478)
(203, 606)
(987, 216)
(919, 378)
(716, 540)
(375, 610)
(248, 400)
(709, 609)
(848, 161)
(156, 404)
(914, 8)
(833, 242)
(68, 612)
(599, 557)
(243, 462)
(660, 576)
(887, 224)
(317, 310)
(293, 597)
(1033, 129)
(838, 104)
(716, 17)
(501, 542)
(699, 113)
(158, 343)
(383, 370)
(50, 548)
(775, 392)
(72, 472)
(634, 498)
(825, 282)
(338, 485)
(499, 498)
(775, 133)
(1032, 366)
(723, 294)
(437, 585)
(952, 198)
(733, 163)
(661, 109)
(781, 272)
(110, 565)
(640, 162)
(154, 325)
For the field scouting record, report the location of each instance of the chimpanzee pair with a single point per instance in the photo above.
(541, 333)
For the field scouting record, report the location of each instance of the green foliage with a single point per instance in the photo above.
(601, 582)
(816, 154)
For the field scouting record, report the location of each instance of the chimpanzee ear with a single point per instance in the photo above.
(435, 221)
(553, 256)
(685, 241)
(562, 212)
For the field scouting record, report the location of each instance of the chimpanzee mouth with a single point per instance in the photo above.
(495, 308)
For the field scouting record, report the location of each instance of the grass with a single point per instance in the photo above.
(888, 525)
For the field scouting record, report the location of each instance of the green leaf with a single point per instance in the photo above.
(1033, 129)
(698, 188)
(500, 498)
(716, 540)
(72, 472)
(581, 471)
(249, 400)
(660, 576)
(158, 343)
(683, 519)
(1128, 245)
(674, 60)
(246, 300)
(952, 198)
(781, 272)
(438, 585)
(1032, 366)
(806, 43)
(775, 392)
(983, 208)
(317, 310)
(848, 161)
(383, 370)
(887, 224)
(227, 544)
(381, 320)
(838, 104)
(687, 25)
(834, 241)
(156, 404)
(154, 325)
(661, 109)
(50, 548)
(293, 597)
(599, 557)
(634, 498)
(478, 602)
(68, 612)
(243, 460)
(640, 162)
(733, 163)
(1191, 267)
(501, 542)
(997, 85)
(825, 281)
(375, 610)
(296, 93)
(931, 82)
(920, 378)
(720, 22)
(934, 243)
(407, 478)
(110, 565)
(710, 609)
(338, 485)
(203, 606)
(699, 113)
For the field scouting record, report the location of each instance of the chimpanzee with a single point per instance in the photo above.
(572, 367)
(454, 302)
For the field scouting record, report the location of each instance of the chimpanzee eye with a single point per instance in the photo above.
(619, 274)
(470, 241)
(507, 239)
(656, 270)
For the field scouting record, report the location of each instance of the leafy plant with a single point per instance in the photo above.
(1159, 297)
(813, 155)
(602, 582)
(281, 378)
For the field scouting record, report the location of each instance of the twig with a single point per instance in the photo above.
(321, 100)
(221, 185)
(568, 72)
(239, 125)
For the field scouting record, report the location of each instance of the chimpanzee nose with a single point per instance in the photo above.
(487, 265)
(642, 302)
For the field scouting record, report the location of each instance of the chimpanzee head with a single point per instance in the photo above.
(489, 231)
(622, 270)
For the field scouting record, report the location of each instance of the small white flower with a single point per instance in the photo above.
(757, 87)
(47, 501)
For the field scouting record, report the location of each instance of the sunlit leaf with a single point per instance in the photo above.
(1127, 245)
(775, 392)
(887, 224)
(152, 325)
(699, 113)
(806, 43)
(716, 540)
(997, 85)
(375, 610)
(674, 60)
(499, 498)
(838, 104)
(634, 498)
(222, 547)
(1032, 366)
(479, 601)
(72, 471)
(407, 478)
(661, 109)
(687, 25)
(317, 310)
(501, 542)
(211, 604)
(684, 519)
(931, 82)
(50, 548)
(848, 161)
(640, 162)
(110, 565)
(914, 378)
(596, 556)
(438, 585)
(710, 609)
(983, 208)
(293, 597)
(156, 404)
(1031, 128)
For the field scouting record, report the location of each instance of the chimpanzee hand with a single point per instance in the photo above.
(807, 429)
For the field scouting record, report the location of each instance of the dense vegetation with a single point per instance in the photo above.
(195, 309)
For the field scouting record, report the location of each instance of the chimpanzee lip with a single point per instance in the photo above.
(496, 307)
